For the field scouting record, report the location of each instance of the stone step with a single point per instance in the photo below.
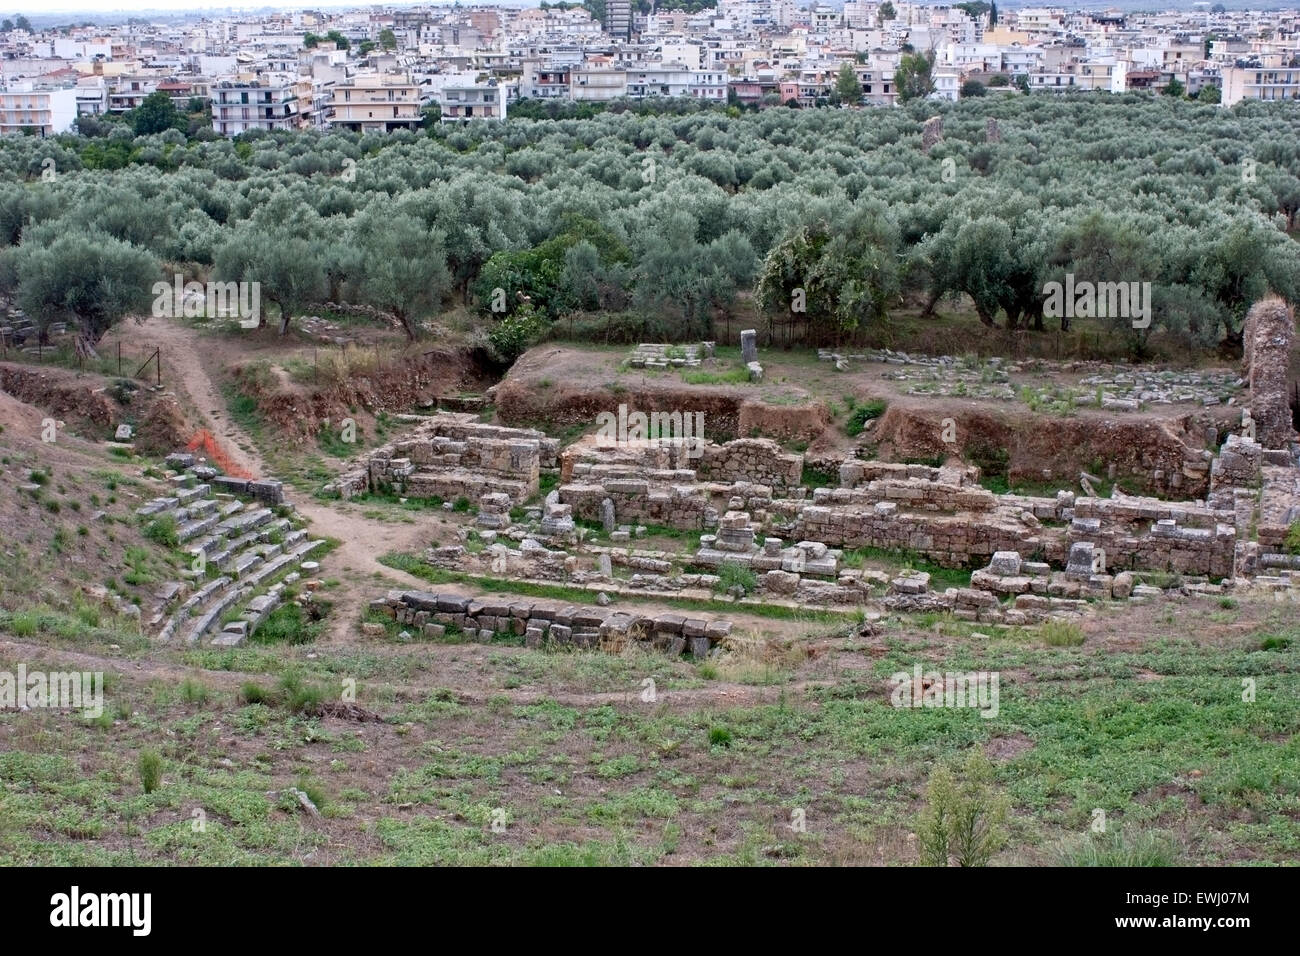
(192, 529)
(244, 563)
(199, 509)
(157, 506)
(218, 607)
(244, 522)
(186, 495)
(276, 565)
(229, 508)
(281, 527)
(195, 600)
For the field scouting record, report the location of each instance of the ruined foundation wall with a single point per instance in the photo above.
(1266, 339)
(750, 459)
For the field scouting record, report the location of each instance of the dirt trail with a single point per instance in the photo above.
(723, 693)
(355, 562)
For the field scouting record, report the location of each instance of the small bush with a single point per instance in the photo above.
(1275, 643)
(300, 698)
(162, 530)
(516, 334)
(253, 693)
(150, 769)
(1293, 538)
(192, 692)
(965, 818)
(719, 737)
(862, 414)
(730, 575)
(1058, 633)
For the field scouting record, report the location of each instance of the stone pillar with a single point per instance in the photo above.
(931, 133)
(748, 346)
(1266, 340)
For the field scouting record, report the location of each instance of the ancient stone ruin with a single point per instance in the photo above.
(761, 533)
(454, 455)
(1266, 339)
(542, 622)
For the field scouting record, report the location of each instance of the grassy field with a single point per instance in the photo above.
(494, 754)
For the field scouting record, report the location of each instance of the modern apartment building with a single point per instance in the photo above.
(618, 18)
(377, 103)
(1270, 76)
(471, 98)
(25, 107)
(266, 101)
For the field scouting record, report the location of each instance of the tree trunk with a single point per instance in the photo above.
(85, 344)
(985, 318)
(286, 316)
(405, 323)
(928, 311)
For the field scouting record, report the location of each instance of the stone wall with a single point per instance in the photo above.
(1266, 339)
(453, 455)
(541, 622)
(758, 460)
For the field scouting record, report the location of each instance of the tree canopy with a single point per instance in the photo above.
(682, 215)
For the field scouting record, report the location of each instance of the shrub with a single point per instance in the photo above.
(252, 693)
(162, 530)
(719, 737)
(1293, 538)
(150, 769)
(731, 575)
(1058, 633)
(862, 414)
(965, 817)
(192, 692)
(300, 698)
(516, 334)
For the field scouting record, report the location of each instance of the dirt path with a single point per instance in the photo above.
(721, 692)
(355, 562)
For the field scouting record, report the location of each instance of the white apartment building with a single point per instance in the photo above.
(92, 96)
(266, 101)
(129, 92)
(25, 107)
(597, 82)
(947, 85)
(467, 97)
